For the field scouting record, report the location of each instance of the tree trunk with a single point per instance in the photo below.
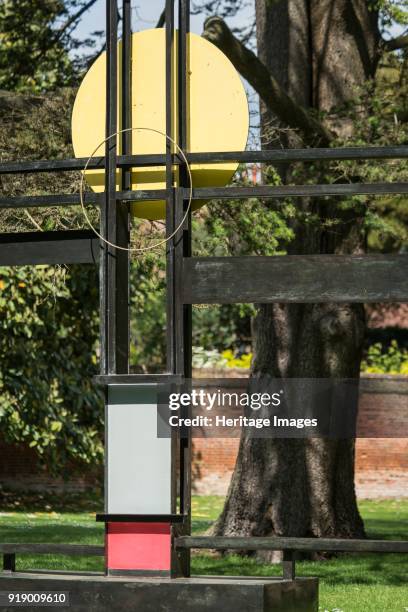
(319, 51)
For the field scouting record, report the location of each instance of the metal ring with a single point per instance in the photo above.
(81, 191)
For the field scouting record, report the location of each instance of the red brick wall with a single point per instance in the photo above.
(381, 463)
(381, 466)
(20, 469)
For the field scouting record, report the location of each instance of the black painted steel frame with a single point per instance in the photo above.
(58, 247)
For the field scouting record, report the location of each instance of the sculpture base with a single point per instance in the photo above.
(97, 593)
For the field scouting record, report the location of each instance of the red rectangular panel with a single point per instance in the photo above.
(138, 546)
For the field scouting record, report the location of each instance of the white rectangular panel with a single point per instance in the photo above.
(138, 463)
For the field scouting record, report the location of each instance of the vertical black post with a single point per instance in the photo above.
(170, 272)
(183, 249)
(288, 565)
(9, 562)
(126, 93)
(171, 339)
(114, 227)
(123, 221)
(179, 561)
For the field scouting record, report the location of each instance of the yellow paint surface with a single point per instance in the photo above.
(218, 118)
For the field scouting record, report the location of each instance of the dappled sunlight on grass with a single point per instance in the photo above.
(348, 583)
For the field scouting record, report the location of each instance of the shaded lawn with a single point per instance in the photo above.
(350, 583)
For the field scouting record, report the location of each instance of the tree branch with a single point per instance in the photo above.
(400, 42)
(162, 19)
(72, 20)
(255, 72)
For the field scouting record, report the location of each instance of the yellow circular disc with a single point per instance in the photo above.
(217, 118)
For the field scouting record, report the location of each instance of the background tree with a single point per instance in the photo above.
(37, 43)
(286, 87)
(317, 63)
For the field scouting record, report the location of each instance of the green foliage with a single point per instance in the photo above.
(379, 359)
(207, 358)
(39, 50)
(38, 128)
(148, 312)
(48, 321)
(220, 228)
(242, 227)
(386, 360)
(221, 326)
(34, 57)
(48, 315)
(236, 227)
(378, 116)
(235, 360)
(391, 12)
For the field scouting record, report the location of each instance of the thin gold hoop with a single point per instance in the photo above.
(81, 191)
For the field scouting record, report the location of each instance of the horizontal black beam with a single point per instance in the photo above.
(62, 247)
(138, 379)
(286, 191)
(65, 199)
(53, 549)
(274, 155)
(50, 165)
(207, 193)
(295, 544)
(306, 155)
(73, 199)
(140, 518)
(78, 163)
(273, 191)
(296, 278)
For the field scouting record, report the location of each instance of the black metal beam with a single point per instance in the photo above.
(296, 278)
(140, 518)
(302, 155)
(294, 544)
(171, 339)
(35, 248)
(164, 378)
(70, 199)
(209, 193)
(286, 191)
(114, 226)
(9, 562)
(275, 155)
(126, 91)
(65, 199)
(183, 320)
(56, 549)
(289, 565)
(122, 263)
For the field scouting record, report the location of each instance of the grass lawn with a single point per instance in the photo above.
(349, 583)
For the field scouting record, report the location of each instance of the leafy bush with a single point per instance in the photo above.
(379, 360)
(390, 360)
(237, 361)
(229, 358)
(48, 335)
(207, 359)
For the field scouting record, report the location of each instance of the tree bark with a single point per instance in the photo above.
(273, 96)
(318, 51)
